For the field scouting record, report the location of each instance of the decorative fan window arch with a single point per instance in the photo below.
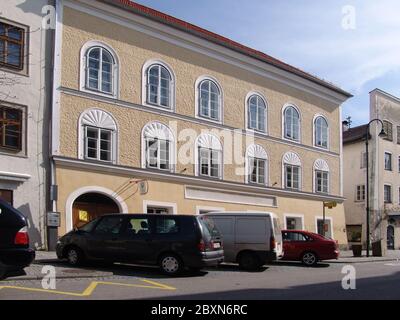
(256, 165)
(98, 136)
(321, 176)
(256, 107)
(208, 154)
(291, 171)
(99, 69)
(158, 147)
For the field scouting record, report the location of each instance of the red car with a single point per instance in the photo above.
(308, 247)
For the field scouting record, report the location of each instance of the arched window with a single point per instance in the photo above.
(99, 70)
(158, 147)
(257, 165)
(100, 66)
(209, 100)
(159, 86)
(321, 132)
(291, 123)
(321, 176)
(291, 171)
(209, 156)
(256, 113)
(98, 136)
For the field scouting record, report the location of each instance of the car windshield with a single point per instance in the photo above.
(209, 228)
(88, 227)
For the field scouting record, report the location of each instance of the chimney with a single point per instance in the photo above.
(345, 126)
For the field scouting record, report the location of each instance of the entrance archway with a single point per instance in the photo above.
(390, 237)
(90, 206)
(107, 193)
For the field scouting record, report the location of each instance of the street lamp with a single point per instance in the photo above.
(381, 134)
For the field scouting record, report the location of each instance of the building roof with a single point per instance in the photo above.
(354, 134)
(218, 39)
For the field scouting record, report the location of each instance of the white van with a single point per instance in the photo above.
(250, 239)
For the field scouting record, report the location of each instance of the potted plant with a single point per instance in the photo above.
(357, 245)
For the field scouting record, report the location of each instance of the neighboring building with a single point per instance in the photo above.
(384, 164)
(146, 107)
(25, 87)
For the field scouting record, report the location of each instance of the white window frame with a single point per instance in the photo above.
(391, 193)
(97, 118)
(247, 112)
(211, 142)
(330, 219)
(209, 209)
(83, 69)
(292, 159)
(158, 141)
(159, 204)
(293, 215)
(316, 117)
(197, 99)
(391, 160)
(172, 100)
(283, 122)
(362, 186)
(98, 147)
(258, 152)
(322, 166)
(158, 130)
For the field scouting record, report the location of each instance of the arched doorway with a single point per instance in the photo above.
(390, 237)
(90, 206)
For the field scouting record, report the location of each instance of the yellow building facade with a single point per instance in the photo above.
(152, 115)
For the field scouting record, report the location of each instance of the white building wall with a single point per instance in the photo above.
(25, 172)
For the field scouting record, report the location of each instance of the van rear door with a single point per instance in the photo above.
(210, 234)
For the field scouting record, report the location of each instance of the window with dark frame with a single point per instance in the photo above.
(387, 193)
(10, 128)
(388, 161)
(7, 196)
(360, 196)
(388, 127)
(11, 46)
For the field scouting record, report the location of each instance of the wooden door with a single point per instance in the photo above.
(84, 212)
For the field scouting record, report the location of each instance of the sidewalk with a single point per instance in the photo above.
(63, 271)
(347, 257)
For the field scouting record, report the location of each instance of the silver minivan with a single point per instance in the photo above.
(250, 239)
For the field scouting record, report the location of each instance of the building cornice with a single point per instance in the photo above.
(188, 180)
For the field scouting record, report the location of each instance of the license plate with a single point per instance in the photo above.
(217, 245)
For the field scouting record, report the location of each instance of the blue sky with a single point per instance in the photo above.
(309, 34)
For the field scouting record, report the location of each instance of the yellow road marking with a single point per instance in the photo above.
(93, 285)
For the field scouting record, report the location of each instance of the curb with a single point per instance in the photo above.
(363, 261)
(83, 276)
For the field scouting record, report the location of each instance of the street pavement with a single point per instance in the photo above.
(374, 279)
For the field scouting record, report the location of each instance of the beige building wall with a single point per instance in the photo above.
(134, 49)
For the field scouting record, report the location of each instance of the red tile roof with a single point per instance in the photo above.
(355, 134)
(218, 39)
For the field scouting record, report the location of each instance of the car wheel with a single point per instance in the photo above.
(309, 259)
(74, 256)
(171, 264)
(249, 261)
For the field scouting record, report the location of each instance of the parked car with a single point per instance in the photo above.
(308, 247)
(173, 242)
(250, 239)
(15, 253)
